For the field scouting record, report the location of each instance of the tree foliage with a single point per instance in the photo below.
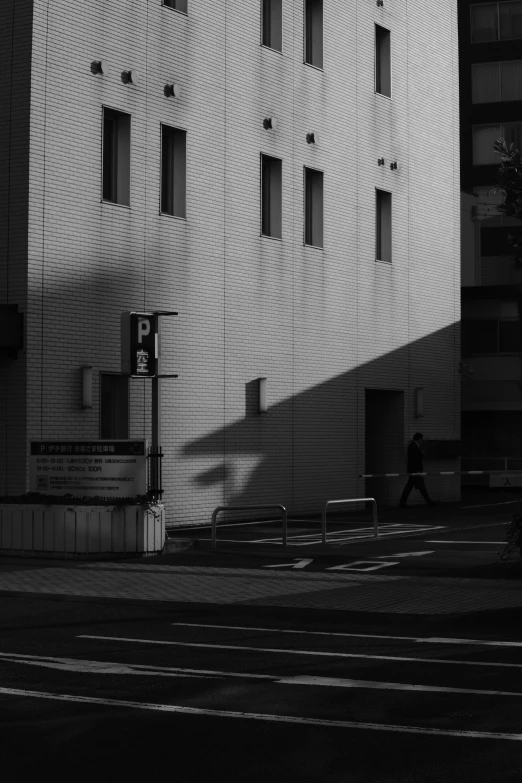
(509, 183)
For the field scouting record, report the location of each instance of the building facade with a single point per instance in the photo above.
(284, 175)
(491, 107)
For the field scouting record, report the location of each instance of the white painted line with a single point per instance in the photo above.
(336, 682)
(450, 541)
(296, 564)
(418, 639)
(282, 651)
(109, 667)
(342, 724)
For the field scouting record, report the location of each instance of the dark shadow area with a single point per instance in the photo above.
(313, 445)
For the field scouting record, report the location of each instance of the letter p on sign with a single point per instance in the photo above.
(143, 328)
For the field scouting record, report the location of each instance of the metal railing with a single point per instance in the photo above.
(351, 500)
(250, 508)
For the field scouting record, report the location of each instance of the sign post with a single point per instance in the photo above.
(140, 358)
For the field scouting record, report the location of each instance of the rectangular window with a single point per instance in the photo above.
(116, 157)
(484, 136)
(114, 406)
(314, 32)
(271, 197)
(495, 82)
(179, 5)
(314, 208)
(383, 248)
(484, 23)
(273, 24)
(173, 171)
(496, 21)
(510, 20)
(382, 61)
(492, 336)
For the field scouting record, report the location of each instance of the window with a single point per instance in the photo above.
(491, 336)
(496, 21)
(179, 5)
(383, 244)
(484, 136)
(114, 406)
(314, 32)
(273, 24)
(173, 171)
(271, 188)
(495, 82)
(313, 207)
(382, 61)
(116, 157)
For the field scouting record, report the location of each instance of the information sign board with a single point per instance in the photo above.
(94, 468)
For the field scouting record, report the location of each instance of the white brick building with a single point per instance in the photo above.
(327, 326)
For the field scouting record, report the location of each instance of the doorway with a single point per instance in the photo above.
(384, 443)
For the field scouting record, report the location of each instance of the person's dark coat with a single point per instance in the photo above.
(415, 464)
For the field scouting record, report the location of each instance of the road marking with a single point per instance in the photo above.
(317, 653)
(408, 554)
(336, 682)
(438, 541)
(109, 667)
(385, 529)
(419, 639)
(343, 724)
(351, 566)
(299, 564)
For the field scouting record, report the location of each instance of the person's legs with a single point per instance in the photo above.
(421, 486)
(406, 491)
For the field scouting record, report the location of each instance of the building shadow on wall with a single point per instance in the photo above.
(313, 445)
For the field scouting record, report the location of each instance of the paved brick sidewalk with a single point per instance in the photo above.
(243, 586)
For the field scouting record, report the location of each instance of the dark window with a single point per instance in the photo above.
(314, 207)
(484, 22)
(382, 61)
(495, 242)
(173, 171)
(114, 406)
(383, 227)
(314, 32)
(496, 21)
(179, 5)
(484, 337)
(271, 188)
(116, 157)
(509, 337)
(273, 24)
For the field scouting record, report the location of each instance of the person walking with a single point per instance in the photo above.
(415, 465)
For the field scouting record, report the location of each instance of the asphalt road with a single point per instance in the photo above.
(97, 689)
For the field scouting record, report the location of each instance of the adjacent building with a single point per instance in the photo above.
(491, 107)
(285, 175)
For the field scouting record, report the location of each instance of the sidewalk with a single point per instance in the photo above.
(254, 587)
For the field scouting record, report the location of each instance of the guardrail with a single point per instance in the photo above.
(351, 500)
(270, 507)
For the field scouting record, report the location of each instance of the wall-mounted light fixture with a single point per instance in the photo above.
(129, 77)
(380, 161)
(172, 91)
(419, 402)
(99, 66)
(261, 395)
(86, 386)
(269, 123)
(312, 138)
(380, 3)
(393, 165)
